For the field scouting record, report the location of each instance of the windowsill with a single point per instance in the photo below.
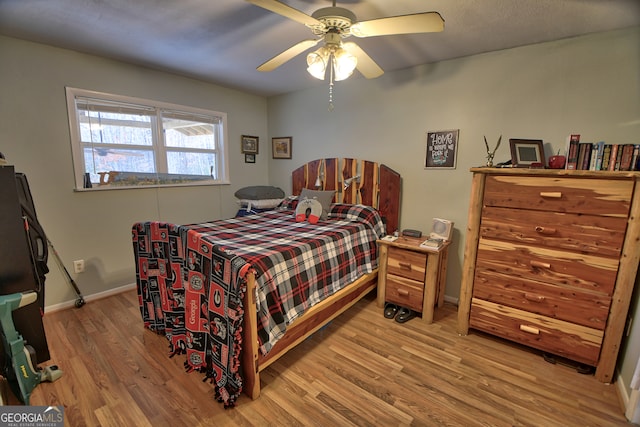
(107, 187)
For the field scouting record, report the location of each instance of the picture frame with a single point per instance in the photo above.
(249, 158)
(527, 153)
(249, 144)
(442, 149)
(281, 147)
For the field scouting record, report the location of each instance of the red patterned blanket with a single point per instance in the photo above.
(192, 278)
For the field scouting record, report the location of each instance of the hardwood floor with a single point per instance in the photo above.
(362, 369)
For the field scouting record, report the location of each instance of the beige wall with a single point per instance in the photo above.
(587, 85)
(96, 226)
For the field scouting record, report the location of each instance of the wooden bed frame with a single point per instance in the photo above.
(378, 186)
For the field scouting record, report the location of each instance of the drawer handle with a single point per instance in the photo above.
(546, 230)
(539, 264)
(403, 292)
(533, 298)
(405, 265)
(551, 194)
(530, 329)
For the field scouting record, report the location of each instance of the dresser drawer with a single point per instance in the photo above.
(561, 338)
(593, 273)
(595, 235)
(608, 197)
(405, 263)
(404, 292)
(559, 302)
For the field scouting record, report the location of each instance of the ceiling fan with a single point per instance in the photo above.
(331, 25)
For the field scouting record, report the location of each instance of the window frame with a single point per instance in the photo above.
(159, 147)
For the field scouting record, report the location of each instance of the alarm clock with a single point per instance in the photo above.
(411, 233)
(441, 229)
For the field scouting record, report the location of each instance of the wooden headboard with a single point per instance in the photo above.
(378, 185)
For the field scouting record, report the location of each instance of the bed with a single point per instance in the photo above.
(234, 295)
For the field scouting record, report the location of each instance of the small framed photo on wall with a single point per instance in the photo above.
(281, 147)
(250, 144)
(249, 158)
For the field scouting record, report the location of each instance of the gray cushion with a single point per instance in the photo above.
(260, 192)
(324, 197)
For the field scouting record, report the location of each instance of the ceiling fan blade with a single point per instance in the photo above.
(427, 22)
(288, 54)
(286, 11)
(366, 65)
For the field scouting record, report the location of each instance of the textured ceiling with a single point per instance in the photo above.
(223, 41)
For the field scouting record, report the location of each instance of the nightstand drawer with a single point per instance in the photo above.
(596, 235)
(608, 197)
(405, 263)
(596, 274)
(559, 302)
(555, 336)
(404, 292)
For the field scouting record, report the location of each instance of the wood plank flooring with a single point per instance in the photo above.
(361, 370)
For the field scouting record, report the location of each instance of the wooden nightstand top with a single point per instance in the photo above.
(413, 243)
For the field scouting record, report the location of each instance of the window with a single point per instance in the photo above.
(124, 142)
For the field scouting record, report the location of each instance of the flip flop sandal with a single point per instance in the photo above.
(390, 311)
(405, 314)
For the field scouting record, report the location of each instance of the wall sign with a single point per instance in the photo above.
(442, 148)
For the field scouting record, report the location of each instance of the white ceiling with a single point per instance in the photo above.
(223, 41)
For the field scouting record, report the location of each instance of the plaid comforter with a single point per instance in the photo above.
(192, 278)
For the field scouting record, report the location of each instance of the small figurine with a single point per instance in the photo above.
(490, 154)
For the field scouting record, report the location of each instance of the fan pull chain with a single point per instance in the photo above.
(331, 83)
(330, 96)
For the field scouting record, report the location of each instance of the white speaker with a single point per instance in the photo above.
(441, 229)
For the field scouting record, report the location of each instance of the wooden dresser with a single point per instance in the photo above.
(551, 259)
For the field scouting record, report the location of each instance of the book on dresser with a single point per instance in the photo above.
(432, 242)
(572, 151)
(614, 161)
(626, 157)
(606, 156)
(635, 159)
(597, 155)
(584, 155)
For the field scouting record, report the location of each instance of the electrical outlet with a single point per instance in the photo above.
(78, 266)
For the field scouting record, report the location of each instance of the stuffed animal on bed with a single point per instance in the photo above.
(309, 210)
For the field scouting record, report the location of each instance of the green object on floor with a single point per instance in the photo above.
(20, 365)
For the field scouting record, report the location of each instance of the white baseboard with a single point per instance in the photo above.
(99, 295)
(622, 391)
(451, 300)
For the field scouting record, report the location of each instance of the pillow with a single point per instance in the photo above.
(308, 209)
(260, 192)
(324, 197)
(259, 204)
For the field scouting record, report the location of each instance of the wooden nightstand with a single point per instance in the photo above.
(412, 276)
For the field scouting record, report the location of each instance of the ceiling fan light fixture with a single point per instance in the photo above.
(343, 64)
(317, 62)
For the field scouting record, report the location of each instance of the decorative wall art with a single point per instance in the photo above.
(442, 148)
(281, 147)
(250, 144)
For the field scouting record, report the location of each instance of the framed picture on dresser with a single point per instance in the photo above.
(527, 153)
